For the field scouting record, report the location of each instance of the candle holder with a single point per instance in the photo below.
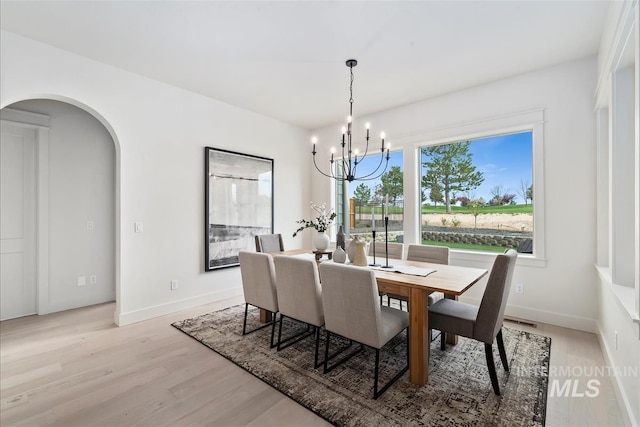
(374, 251)
(386, 242)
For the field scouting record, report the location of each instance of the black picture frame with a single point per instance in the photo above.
(238, 204)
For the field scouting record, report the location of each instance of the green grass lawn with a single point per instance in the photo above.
(506, 209)
(465, 246)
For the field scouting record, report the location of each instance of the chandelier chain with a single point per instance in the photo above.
(351, 91)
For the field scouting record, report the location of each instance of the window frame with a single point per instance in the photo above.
(532, 121)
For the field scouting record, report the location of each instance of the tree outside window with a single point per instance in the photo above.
(362, 194)
(450, 170)
(478, 192)
(369, 196)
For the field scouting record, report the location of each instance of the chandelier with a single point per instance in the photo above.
(346, 166)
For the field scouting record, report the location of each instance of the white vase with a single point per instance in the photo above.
(339, 255)
(351, 249)
(360, 257)
(321, 241)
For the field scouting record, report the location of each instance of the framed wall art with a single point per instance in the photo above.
(238, 204)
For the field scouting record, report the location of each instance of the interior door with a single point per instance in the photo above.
(17, 221)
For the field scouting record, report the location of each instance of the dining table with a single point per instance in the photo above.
(452, 280)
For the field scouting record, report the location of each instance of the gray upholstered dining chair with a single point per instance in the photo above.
(269, 243)
(428, 253)
(352, 310)
(433, 254)
(483, 323)
(259, 286)
(396, 250)
(299, 298)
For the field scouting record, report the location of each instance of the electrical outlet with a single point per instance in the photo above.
(138, 227)
(174, 285)
(519, 288)
(615, 334)
(93, 279)
(82, 281)
(90, 225)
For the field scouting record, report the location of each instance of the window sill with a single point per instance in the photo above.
(525, 260)
(624, 294)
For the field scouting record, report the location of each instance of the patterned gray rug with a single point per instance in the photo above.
(459, 392)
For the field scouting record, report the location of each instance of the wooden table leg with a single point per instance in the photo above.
(452, 339)
(418, 337)
(265, 316)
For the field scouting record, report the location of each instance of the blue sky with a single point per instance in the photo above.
(504, 160)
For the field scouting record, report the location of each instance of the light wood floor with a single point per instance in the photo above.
(76, 368)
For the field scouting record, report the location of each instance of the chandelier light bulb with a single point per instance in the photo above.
(314, 139)
(349, 119)
(367, 125)
(344, 130)
(382, 135)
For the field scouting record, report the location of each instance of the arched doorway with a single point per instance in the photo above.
(77, 220)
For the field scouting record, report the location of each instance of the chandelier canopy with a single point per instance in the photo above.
(345, 167)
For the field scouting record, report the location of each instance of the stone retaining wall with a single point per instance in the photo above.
(503, 241)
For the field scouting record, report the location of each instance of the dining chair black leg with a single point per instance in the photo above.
(315, 360)
(272, 324)
(273, 328)
(503, 354)
(326, 354)
(244, 323)
(376, 374)
(443, 340)
(279, 332)
(377, 392)
(282, 344)
(488, 350)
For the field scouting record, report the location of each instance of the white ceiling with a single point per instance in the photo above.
(287, 59)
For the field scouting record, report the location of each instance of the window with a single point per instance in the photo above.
(478, 194)
(360, 205)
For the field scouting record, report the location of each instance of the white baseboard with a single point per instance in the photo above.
(621, 396)
(543, 316)
(71, 305)
(147, 313)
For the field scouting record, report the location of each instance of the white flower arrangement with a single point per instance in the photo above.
(322, 222)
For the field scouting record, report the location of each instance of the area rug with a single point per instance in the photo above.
(459, 391)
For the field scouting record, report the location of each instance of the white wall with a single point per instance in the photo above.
(81, 183)
(160, 133)
(563, 290)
